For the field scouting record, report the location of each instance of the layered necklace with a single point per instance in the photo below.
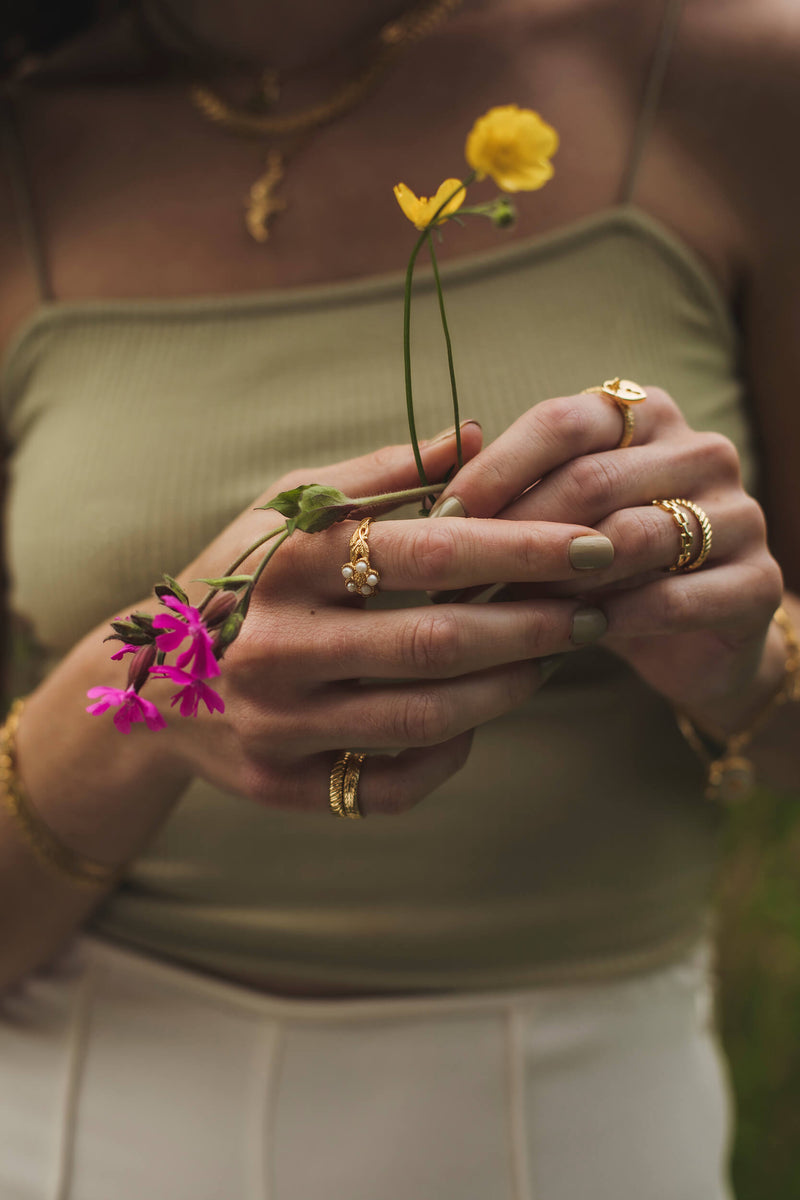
(285, 133)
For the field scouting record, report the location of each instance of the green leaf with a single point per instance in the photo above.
(227, 581)
(312, 507)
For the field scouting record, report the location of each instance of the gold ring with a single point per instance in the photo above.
(360, 577)
(624, 393)
(684, 530)
(343, 786)
(705, 529)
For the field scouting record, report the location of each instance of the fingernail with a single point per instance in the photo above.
(451, 431)
(588, 624)
(451, 507)
(549, 665)
(591, 552)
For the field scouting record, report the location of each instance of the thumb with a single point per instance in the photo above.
(393, 469)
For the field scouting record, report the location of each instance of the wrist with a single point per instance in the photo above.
(726, 715)
(731, 770)
(101, 793)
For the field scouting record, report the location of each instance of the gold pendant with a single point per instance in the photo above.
(262, 204)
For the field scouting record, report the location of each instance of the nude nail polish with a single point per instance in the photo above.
(591, 552)
(588, 624)
(451, 507)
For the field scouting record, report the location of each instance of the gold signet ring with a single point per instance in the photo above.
(624, 393)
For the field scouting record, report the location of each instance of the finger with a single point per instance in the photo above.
(429, 642)
(397, 716)
(648, 539)
(592, 487)
(740, 596)
(551, 434)
(387, 785)
(392, 468)
(445, 553)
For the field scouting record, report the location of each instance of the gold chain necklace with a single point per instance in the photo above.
(262, 203)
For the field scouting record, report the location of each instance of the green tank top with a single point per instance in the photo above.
(577, 840)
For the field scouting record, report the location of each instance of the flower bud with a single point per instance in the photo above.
(139, 666)
(228, 633)
(504, 214)
(219, 608)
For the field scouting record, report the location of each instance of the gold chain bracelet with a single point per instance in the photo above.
(731, 775)
(47, 848)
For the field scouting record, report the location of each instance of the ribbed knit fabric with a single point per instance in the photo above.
(577, 841)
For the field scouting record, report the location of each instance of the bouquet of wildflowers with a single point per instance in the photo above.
(513, 146)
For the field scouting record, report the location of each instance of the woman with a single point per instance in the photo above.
(502, 991)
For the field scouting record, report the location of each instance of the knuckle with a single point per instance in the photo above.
(256, 781)
(596, 479)
(767, 583)
(422, 718)
(663, 407)
(435, 552)
(434, 642)
(386, 456)
(754, 522)
(645, 536)
(677, 607)
(718, 457)
(567, 421)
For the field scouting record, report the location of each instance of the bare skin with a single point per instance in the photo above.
(134, 150)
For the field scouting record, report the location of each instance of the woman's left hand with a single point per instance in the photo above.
(698, 637)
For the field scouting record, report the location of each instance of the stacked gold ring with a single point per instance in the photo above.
(624, 393)
(343, 786)
(674, 508)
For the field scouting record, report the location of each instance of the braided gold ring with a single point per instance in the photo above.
(624, 393)
(343, 786)
(684, 530)
(360, 577)
(673, 507)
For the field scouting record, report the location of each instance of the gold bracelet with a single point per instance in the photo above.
(731, 775)
(47, 848)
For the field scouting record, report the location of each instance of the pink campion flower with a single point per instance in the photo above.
(199, 658)
(191, 693)
(133, 707)
(126, 649)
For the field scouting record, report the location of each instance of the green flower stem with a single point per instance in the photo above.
(238, 562)
(287, 533)
(424, 236)
(363, 503)
(412, 425)
(448, 344)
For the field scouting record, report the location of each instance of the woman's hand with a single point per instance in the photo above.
(293, 683)
(697, 637)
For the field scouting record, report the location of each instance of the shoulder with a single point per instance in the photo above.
(735, 91)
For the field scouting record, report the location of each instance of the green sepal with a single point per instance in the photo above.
(125, 631)
(171, 587)
(142, 621)
(228, 581)
(312, 507)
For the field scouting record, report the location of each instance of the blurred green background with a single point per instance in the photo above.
(759, 994)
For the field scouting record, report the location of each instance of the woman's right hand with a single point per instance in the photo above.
(293, 682)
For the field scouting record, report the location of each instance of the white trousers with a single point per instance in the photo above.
(122, 1078)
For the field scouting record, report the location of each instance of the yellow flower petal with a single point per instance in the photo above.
(420, 210)
(513, 145)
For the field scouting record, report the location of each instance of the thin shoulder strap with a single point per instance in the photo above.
(22, 191)
(651, 96)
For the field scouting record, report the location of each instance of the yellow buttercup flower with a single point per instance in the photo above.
(513, 145)
(420, 210)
